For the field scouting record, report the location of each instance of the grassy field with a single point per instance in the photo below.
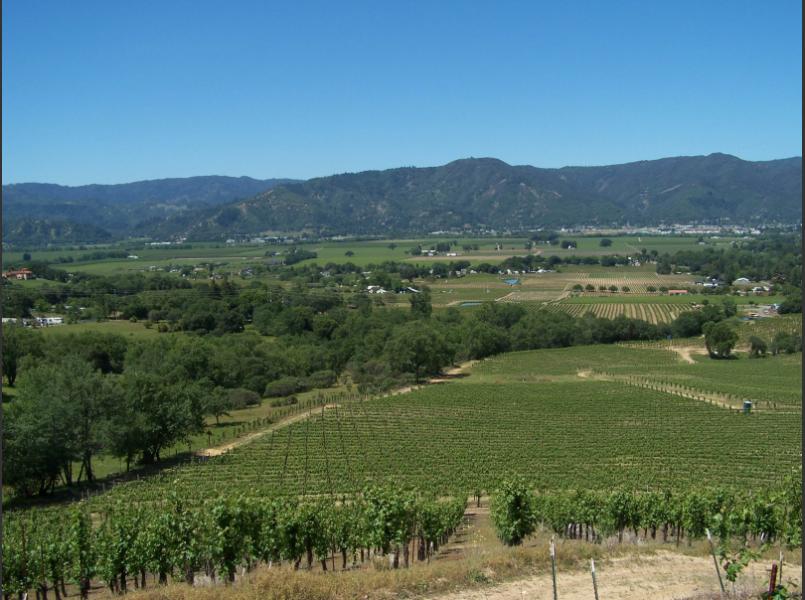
(124, 328)
(363, 252)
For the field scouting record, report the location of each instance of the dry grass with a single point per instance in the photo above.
(479, 569)
(378, 583)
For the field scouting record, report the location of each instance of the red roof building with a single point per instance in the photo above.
(18, 274)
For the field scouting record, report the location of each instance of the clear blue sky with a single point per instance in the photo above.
(108, 91)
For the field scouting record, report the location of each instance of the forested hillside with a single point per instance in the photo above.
(469, 194)
(120, 209)
(489, 194)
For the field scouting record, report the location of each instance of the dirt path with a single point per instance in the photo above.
(448, 375)
(686, 352)
(224, 448)
(663, 576)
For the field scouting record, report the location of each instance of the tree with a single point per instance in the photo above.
(57, 419)
(418, 348)
(729, 307)
(787, 343)
(500, 314)
(483, 339)
(513, 511)
(757, 347)
(18, 343)
(605, 242)
(421, 303)
(720, 338)
(155, 411)
(218, 404)
(11, 352)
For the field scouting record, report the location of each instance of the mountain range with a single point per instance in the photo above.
(470, 194)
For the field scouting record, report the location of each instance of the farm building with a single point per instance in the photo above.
(48, 321)
(18, 274)
(677, 292)
(376, 289)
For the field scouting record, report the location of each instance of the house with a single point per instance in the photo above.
(740, 281)
(48, 321)
(376, 289)
(18, 274)
(677, 292)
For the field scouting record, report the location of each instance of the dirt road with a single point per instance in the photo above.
(218, 450)
(686, 352)
(664, 576)
(449, 374)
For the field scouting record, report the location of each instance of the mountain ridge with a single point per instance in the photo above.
(465, 194)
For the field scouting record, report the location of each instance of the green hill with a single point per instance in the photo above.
(487, 193)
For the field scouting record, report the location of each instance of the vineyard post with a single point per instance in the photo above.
(553, 568)
(715, 560)
(773, 579)
(780, 571)
(595, 583)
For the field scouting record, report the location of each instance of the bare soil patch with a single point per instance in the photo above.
(686, 352)
(662, 576)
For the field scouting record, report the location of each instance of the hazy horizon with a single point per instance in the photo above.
(260, 178)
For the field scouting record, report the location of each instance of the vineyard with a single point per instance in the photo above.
(218, 538)
(768, 328)
(650, 312)
(554, 426)
(638, 283)
(227, 537)
(608, 436)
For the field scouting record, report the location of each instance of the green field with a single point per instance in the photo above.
(530, 412)
(124, 328)
(363, 252)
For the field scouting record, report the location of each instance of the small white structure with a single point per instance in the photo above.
(48, 321)
(376, 289)
(740, 281)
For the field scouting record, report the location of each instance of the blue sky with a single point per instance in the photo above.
(107, 92)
